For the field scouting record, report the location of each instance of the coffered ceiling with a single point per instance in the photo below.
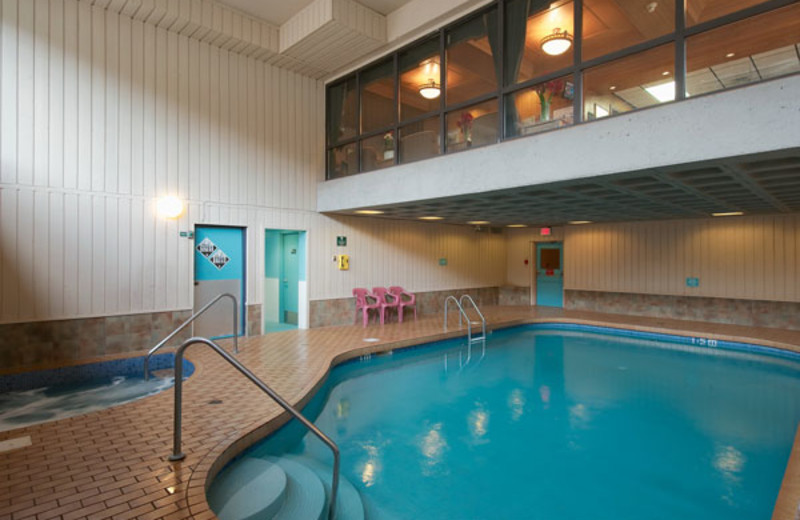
(758, 184)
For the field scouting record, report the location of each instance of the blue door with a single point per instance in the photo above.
(289, 278)
(219, 267)
(549, 275)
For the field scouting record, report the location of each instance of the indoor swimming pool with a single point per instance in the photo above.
(553, 422)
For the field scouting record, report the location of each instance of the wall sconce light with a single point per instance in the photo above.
(430, 90)
(170, 207)
(557, 43)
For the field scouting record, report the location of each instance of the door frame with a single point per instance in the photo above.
(302, 282)
(242, 325)
(534, 264)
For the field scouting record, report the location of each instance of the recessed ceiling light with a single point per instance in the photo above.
(651, 7)
(477, 222)
(728, 214)
(665, 73)
(369, 212)
(431, 218)
(517, 225)
(579, 222)
(612, 87)
(730, 55)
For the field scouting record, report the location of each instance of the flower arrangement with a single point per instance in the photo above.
(546, 91)
(388, 140)
(465, 125)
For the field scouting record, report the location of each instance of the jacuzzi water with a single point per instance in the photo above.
(82, 389)
(556, 425)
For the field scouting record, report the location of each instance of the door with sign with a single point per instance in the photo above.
(219, 267)
(549, 274)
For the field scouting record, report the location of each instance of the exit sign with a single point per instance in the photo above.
(545, 231)
(341, 241)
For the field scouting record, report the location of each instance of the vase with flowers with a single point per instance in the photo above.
(465, 126)
(546, 91)
(388, 145)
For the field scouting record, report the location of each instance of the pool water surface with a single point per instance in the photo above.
(553, 424)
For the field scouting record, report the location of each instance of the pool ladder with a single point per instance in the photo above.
(462, 315)
(178, 455)
(190, 320)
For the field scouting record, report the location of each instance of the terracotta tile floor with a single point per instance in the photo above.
(113, 463)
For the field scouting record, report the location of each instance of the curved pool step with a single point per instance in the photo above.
(305, 495)
(249, 489)
(349, 505)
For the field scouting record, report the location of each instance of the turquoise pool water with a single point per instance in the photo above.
(552, 424)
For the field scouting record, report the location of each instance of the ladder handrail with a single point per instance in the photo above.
(461, 313)
(190, 320)
(474, 306)
(176, 447)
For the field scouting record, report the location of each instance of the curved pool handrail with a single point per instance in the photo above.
(176, 448)
(190, 320)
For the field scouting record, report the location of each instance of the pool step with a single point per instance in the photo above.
(281, 488)
(249, 489)
(348, 500)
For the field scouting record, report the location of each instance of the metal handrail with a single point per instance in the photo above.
(190, 320)
(474, 306)
(176, 448)
(461, 313)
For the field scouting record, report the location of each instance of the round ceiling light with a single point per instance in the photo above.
(557, 43)
(430, 90)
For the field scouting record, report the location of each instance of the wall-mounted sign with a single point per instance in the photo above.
(341, 241)
(545, 231)
(693, 282)
(443, 261)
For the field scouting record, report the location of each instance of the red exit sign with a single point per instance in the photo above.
(545, 231)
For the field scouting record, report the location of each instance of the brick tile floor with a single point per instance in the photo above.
(113, 463)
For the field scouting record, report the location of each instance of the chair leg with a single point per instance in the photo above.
(400, 314)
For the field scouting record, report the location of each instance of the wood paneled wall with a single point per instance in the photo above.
(101, 114)
(754, 258)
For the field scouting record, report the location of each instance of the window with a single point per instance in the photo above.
(377, 97)
(420, 140)
(342, 112)
(609, 25)
(510, 69)
(545, 106)
(744, 52)
(539, 37)
(420, 80)
(342, 161)
(630, 83)
(698, 11)
(472, 63)
(472, 126)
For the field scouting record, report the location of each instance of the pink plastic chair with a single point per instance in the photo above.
(364, 306)
(386, 300)
(410, 302)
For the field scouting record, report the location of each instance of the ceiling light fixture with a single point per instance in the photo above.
(579, 222)
(431, 218)
(557, 43)
(517, 225)
(430, 90)
(730, 55)
(369, 212)
(478, 222)
(170, 207)
(665, 73)
(728, 214)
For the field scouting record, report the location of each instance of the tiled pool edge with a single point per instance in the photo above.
(787, 505)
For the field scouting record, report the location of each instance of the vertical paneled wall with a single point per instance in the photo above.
(755, 258)
(101, 114)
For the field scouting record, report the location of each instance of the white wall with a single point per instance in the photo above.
(101, 114)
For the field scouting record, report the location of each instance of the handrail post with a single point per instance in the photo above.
(177, 454)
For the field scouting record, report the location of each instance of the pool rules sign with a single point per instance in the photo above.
(212, 253)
